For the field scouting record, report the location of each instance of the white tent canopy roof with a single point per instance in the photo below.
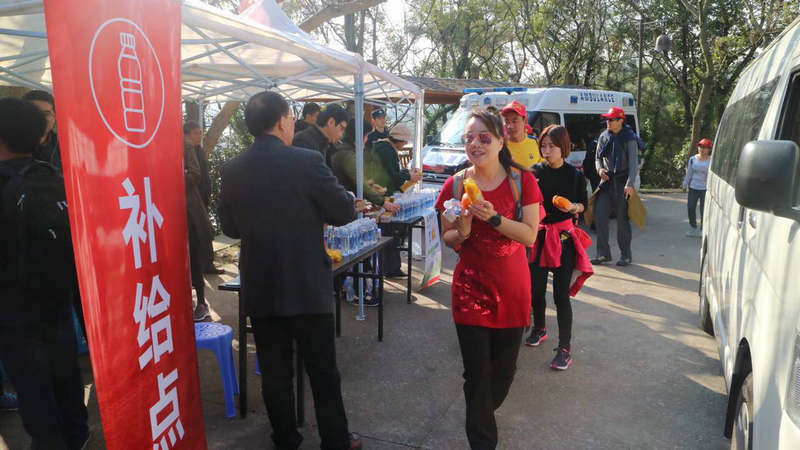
(224, 56)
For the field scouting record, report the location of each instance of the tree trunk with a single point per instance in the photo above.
(702, 100)
(218, 125)
(192, 111)
(223, 118)
(333, 11)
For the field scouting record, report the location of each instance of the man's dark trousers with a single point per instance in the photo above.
(612, 197)
(314, 334)
(41, 359)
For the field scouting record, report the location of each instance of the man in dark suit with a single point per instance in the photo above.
(276, 198)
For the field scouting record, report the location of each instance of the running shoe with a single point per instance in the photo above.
(563, 359)
(601, 260)
(201, 312)
(537, 336)
(624, 261)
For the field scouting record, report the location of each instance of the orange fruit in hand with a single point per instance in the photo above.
(472, 189)
(561, 202)
(466, 202)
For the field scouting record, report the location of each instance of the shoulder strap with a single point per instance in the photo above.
(458, 184)
(515, 180)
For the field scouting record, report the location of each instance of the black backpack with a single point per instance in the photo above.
(35, 230)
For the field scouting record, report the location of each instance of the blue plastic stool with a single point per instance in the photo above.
(83, 345)
(219, 339)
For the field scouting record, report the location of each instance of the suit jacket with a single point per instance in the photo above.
(204, 185)
(276, 199)
(198, 222)
(312, 138)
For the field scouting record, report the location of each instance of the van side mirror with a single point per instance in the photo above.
(765, 177)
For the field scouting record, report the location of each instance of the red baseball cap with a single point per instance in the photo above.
(705, 143)
(614, 113)
(515, 107)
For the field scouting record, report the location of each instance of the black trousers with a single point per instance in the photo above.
(315, 340)
(490, 362)
(612, 198)
(41, 359)
(562, 279)
(695, 196)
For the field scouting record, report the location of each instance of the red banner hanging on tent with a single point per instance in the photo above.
(117, 85)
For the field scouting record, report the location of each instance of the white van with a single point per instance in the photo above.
(577, 109)
(749, 287)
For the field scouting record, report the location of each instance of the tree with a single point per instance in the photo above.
(312, 22)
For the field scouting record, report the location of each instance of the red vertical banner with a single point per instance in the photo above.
(117, 84)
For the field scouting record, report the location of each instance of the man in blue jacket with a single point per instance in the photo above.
(617, 164)
(276, 199)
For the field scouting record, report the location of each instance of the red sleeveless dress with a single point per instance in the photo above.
(492, 283)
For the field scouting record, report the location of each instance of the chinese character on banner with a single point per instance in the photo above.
(167, 403)
(151, 337)
(134, 231)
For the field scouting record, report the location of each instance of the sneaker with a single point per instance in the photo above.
(691, 232)
(537, 336)
(601, 260)
(369, 300)
(697, 232)
(563, 359)
(624, 262)
(201, 312)
(8, 402)
(355, 442)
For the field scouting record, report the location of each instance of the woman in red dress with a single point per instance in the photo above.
(491, 284)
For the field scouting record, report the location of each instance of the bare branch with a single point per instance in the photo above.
(333, 11)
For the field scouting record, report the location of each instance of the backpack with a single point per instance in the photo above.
(36, 231)
(514, 180)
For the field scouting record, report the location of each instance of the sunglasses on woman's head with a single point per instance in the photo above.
(484, 138)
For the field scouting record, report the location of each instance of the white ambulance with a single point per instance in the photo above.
(577, 109)
(750, 253)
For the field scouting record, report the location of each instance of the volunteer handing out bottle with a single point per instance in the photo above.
(491, 284)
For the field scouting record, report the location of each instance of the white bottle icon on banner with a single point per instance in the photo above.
(130, 83)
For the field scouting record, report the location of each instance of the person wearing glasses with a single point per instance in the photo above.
(617, 164)
(322, 136)
(491, 290)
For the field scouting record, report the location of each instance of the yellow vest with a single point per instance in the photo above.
(525, 153)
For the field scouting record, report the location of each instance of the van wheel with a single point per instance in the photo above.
(742, 438)
(705, 312)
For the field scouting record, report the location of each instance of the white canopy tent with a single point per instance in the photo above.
(230, 57)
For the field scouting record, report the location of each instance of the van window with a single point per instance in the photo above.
(453, 130)
(740, 124)
(539, 120)
(790, 121)
(584, 129)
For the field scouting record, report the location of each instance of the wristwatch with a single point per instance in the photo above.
(495, 220)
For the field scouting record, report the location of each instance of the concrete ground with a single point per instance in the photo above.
(644, 375)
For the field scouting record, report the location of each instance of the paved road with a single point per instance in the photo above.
(644, 375)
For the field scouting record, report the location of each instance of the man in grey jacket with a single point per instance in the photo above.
(617, 164)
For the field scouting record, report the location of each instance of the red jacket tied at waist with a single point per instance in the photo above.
(551, 252)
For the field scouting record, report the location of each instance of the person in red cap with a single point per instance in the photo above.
(695, 182)
(617, 163)
(524, 150)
